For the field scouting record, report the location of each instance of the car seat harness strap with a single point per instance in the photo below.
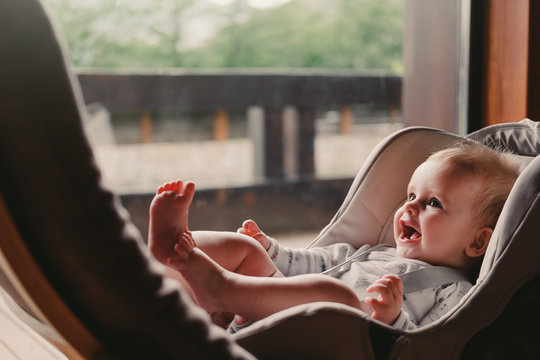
(425, 278)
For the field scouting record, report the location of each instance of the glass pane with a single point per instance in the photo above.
(264, 98)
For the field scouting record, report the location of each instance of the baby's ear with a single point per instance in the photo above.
(478, 246)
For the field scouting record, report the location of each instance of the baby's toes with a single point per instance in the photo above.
(170, 186)
(243, 231)
(181, 253)
(251, 228)
(187, 241)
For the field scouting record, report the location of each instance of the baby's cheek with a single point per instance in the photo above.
(397, 228)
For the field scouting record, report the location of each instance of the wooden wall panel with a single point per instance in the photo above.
(533, 88)
(506, 61)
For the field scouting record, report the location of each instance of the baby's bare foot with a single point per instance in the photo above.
(250, 228)
(204, 276)
(169, 217)
(183, 248)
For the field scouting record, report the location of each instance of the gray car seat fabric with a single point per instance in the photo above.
(509, 274)
(511, 268)
(76, 230)
(522, 138)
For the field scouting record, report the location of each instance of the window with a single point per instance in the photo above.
(245, 95)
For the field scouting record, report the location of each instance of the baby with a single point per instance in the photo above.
(453, 201)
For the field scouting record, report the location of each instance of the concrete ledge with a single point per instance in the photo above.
(279, 207)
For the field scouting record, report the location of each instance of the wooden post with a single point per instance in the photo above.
(505, 62)
(533, 90)
(146, 127)
(394, 114)
(273, 144)
(255, 125)
(346, 120)
(290, 143)
(306, 141)
(221, 125)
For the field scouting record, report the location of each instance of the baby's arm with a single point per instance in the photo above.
(387, 306)
(298, 261)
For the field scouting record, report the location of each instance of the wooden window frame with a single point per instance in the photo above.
(504, 81)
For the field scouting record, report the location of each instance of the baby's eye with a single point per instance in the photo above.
(435, 203)
(412, 197)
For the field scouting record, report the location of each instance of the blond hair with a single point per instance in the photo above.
(495, 168)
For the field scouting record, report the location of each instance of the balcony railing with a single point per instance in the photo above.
(284, 145)
(282, 149)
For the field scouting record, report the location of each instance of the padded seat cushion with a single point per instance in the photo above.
(522, 138)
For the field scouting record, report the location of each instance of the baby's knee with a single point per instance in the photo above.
(338, 291)
(238, 244)
(245, 242)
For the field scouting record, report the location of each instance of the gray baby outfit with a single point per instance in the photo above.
(359, 268)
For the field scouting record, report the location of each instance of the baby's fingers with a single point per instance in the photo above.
(378, 307)
(382, 289)
(389, 288)
(396, 281)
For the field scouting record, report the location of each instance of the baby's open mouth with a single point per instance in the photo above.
(410, 233)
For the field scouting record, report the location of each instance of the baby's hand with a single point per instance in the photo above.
(250, 228)
(387, 306)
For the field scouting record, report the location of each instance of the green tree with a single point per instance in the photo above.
(345, 34)
(103, 33)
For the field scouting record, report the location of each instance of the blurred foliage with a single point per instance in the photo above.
(339, 34)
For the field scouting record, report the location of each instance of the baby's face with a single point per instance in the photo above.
(436, 222)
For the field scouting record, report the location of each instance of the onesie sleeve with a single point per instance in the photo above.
(292, 261)
(404, 322)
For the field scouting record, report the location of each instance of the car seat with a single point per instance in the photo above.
(503, 302)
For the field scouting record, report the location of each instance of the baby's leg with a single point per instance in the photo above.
(236, 252)
(253, 298)
(169, 220)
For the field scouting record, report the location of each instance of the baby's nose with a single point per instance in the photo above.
(411, 207)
